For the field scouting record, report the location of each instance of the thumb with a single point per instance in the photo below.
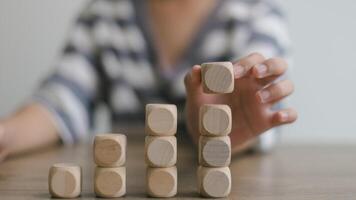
(192, 81)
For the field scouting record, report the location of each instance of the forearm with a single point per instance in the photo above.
(28, 129)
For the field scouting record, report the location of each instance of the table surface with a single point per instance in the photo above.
(289, 172)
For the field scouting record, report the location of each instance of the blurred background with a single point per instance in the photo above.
(323, 32)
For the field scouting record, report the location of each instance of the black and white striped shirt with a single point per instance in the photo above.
(110, 58)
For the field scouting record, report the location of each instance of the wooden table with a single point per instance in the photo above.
(290, 172)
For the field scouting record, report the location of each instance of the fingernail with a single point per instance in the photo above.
(283, 116)
(264, 96)
(238, 71)
(261, 70)
(196, 67)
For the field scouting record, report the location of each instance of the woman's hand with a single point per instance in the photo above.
(256, 91)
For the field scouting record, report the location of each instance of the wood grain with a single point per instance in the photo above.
(161, 182)
(214, 151)
(291, 172)
(110, 149)
(110, 182)
(214, 182)
(64, 180)
(217, 77)
(214, 120)
(161, 151)
(161, 119)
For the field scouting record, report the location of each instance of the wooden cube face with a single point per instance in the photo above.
(217, 77)
(214, 182)
(161, 182)
(65, 180)
(161, 151)
(161, 119)
(110, 150)
(110, 182)
(214, 151)
(215, 120)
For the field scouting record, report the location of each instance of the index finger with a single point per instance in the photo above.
(244, 65)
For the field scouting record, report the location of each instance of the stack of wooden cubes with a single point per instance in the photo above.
(110, 158)
(161, 150)
(214, 176)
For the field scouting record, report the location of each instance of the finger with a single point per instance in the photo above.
(192, 80)
(275, 92)
(268, 80)
(270, 67)
(243, 66)
(284, 116)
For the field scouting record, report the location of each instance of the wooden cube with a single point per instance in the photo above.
(161, 151)
(161, 182)
(217, 77)
(161, 119)
(214, 151)
(64, 180)
(110, 150)
(110, 182)
(214, 182)
(215, 120)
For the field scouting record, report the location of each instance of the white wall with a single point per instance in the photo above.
(324, 37)
(323, 32)
(31, 35)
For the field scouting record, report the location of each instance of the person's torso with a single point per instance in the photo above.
(129, 59)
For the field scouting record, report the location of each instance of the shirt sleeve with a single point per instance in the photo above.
(72, 89)
(265, 31)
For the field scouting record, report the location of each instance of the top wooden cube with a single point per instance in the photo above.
(161, 119)
(217, 77)
(110, 150)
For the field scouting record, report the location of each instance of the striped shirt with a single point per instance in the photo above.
(110, 58)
